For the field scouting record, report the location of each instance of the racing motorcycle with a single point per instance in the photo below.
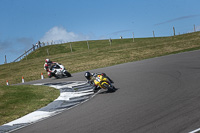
(104, 83)
(57, 70)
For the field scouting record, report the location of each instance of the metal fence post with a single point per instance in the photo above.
(5, 60)
(174, 31)
(71, 47)
(25, 54)
(47, 51)
(33, 47)
(153, 34)
(88, 45)
(110, 40)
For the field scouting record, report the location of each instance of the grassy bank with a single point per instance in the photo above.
(100, 54)
(17, 101)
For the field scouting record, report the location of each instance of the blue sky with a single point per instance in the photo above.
(24, 22)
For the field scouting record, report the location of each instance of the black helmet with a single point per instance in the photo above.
(87, 75)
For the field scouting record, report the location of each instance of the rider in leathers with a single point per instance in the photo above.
(47, 66)
(92, 76)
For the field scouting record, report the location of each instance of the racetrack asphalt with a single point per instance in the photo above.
(158, 95)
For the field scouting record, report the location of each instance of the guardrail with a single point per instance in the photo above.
(24, 55)
(38, 45)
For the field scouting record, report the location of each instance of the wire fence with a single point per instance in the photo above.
(36, 46)
(39, 45)
(24, 55)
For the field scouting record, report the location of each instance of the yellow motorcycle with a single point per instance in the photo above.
(104, 83)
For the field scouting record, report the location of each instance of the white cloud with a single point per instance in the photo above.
(60, 34)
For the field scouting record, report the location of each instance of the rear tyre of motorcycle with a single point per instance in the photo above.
(109, 88)
(67, 74)
(57, 77)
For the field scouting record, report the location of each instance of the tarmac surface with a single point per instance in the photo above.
(158, 95)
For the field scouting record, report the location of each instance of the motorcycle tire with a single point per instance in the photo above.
(67, 74)
(109, 87)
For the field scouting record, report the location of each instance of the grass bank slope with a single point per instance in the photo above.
(82, 56)
(17, 101)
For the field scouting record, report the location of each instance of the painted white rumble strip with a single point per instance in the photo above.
(76, 93)
(195, 131)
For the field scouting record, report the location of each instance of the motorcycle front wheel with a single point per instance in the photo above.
(67, 74)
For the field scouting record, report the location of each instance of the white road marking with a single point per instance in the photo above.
(77, 93)
(195, 131)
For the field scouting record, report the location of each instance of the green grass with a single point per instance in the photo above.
(100, 54)
(17, 101)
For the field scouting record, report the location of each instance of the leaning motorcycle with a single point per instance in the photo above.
(57, 70)
(104, 83)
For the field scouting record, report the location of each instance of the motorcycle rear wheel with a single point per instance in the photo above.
(109, 88)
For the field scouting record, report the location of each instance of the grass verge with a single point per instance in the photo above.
(17, 101)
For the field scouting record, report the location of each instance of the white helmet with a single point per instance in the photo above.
(47, 60)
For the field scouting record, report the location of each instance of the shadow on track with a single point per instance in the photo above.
(106, 92)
